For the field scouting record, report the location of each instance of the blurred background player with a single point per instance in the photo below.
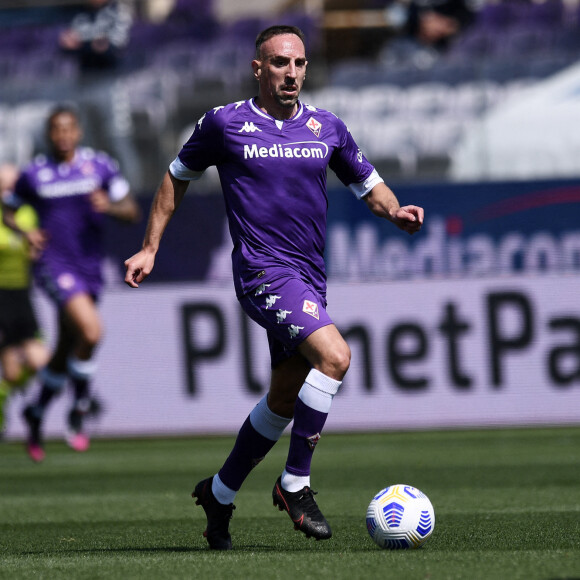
(97, 39)
(424, 30)
(22, 351)
(73, 189)
(98, 34)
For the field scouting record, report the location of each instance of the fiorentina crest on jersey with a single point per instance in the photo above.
(314, 126)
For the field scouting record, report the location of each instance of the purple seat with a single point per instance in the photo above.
(192, 19)
(547, 14)
(475, 43)
(246, 29)
(495, 16)
(524, 41)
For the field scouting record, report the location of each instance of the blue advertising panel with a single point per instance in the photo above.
(470, 230)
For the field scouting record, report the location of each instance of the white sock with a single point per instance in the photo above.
(81, 369)
(266, 423)
(221, 491)
(293, 483)
(318, 391)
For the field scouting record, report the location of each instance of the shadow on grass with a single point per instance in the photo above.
(177, 550)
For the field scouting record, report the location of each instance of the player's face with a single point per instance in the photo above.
(280, 73)
(64, 134)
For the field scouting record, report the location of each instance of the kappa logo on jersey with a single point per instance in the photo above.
(314, 126)
(359, 156)
(271, 300)
(261, 289)
(294, 330)
(281, 315)
(311, 308)
(249, 127)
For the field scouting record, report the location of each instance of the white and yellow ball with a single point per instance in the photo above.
(400, 517)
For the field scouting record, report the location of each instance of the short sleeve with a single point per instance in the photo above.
(348, 161)
(205, 146)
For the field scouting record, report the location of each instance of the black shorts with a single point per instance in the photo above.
(17, 319)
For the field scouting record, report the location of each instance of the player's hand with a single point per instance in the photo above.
(138, 267)
(37, 240)
(70, 40)
(100, 201)
(409, 218)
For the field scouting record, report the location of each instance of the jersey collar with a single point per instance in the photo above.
(259, 111)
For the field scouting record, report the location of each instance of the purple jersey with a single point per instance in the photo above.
(60, 194)
(273, 176)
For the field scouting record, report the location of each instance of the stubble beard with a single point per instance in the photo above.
(287, 102)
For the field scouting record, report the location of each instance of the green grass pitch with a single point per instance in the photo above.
(507, 505)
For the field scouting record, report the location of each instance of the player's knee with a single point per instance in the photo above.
(36, 356)
(38, 361)
(337, 362)
(11, 373)
(92, 336)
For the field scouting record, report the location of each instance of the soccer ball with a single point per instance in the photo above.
(400, 517)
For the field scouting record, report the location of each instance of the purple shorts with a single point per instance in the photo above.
(61, 283)
(290, 310)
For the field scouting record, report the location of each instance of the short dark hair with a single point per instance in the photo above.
(276, 30)
(63, 109)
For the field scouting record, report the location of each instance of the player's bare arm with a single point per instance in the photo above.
(383, 203)
(37, 238)
(126, 209)
(165, 203)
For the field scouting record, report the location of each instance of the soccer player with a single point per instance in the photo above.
(22, 350)
(272, 153)
(73, 189)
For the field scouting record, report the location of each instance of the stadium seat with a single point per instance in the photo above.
(427, 99)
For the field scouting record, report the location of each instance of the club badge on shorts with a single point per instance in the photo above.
(311, 308)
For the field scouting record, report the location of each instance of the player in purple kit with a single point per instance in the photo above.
(272, 153)
(73, 189)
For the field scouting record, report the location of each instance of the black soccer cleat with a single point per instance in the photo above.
(75, 420)
(218, 516)
(303, 510)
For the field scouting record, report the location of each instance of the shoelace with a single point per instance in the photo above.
(225, 513)
(308, 502)
(230, 513)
